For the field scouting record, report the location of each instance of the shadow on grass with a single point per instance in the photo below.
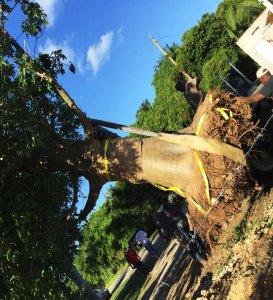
(182, 267)
(131, 288)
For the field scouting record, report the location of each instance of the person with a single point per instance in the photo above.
(177, 201)
(134, 261)
(185, 230)
(142, 239)
(181, 219)
(265, 77)
(165, 225)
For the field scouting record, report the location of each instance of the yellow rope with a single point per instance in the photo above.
(106, 169)
(224, 112)
(182, 194)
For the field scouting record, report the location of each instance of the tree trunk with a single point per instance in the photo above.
(77, 278)
(193, 169)
(199, 175)
(143, 160)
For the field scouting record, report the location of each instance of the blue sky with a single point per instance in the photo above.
(107, 41)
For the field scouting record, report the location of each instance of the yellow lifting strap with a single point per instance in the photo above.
(210, 97)
(182, 194)
(199, 126)
(223, 111)
(106, 169)
(198, 160)
(226, 113)
(203, 172)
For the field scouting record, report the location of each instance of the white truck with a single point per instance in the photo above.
(257, 42)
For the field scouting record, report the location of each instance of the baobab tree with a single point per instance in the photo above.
(43, 155)
(168, 161)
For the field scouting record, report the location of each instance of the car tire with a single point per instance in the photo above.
(262, 163)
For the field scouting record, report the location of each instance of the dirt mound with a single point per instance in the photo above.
(221, 117)
(246, 270)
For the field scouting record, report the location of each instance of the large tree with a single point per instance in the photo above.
(43, 156)
(208, 47)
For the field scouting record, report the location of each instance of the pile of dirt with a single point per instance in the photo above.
(221, 117)
(240, 266)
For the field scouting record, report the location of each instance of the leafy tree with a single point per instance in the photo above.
(37, 241)
(199, 42)
(236, 15)
(218, 65)
(207, 48)
(108, 231)
(170, 110)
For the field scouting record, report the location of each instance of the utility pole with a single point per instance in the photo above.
(169, 57)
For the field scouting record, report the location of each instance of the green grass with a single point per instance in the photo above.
(130, 289)
(240, 231)
(115, 277)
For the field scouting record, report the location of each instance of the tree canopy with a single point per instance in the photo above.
(37, 242)
(169, 111)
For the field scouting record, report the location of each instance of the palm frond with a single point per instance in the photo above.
(252, 4)
(231, 17)
(231, 34)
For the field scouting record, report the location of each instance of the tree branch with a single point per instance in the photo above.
(60, 90)
(75, 195)
(90, 203)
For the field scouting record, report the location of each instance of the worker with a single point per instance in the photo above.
(134, 261)
(165, 225)
(265, 77)
(182, 221)
(142, 239)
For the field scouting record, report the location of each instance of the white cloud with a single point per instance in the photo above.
(99, 52)
(50, 7)
(50, 46)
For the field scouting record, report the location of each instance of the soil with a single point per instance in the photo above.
(239, 267)
(221, 117)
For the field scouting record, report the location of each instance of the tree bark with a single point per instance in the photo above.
(81, 283)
